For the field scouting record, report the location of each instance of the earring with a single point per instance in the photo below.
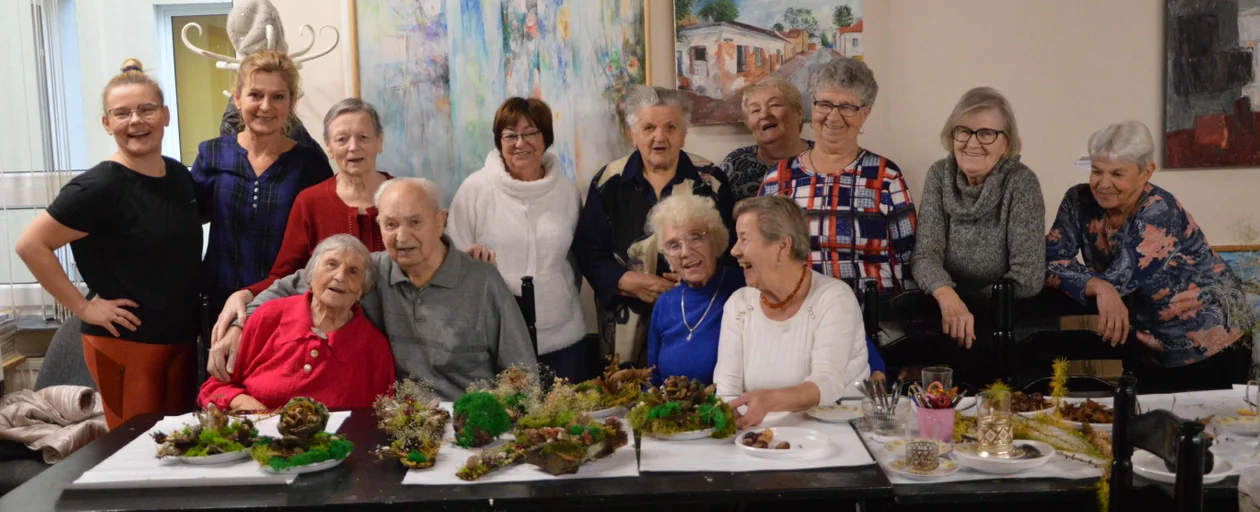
(780, 262)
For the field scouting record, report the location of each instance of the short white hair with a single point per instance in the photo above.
(644, 96)
(679, 209)
(1126, 142)
(428, 186)
(338, 243)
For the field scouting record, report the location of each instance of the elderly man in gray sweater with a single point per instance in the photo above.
(450, 319)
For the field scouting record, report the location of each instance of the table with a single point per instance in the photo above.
(363, 482)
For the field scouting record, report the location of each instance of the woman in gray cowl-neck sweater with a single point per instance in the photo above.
(981, 216)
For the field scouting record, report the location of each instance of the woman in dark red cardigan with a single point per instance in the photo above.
(341, 204)
(318, 344)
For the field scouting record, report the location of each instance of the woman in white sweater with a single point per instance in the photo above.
(519, 213)
(793, 338)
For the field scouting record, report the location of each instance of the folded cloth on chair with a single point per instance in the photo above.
(56, 420)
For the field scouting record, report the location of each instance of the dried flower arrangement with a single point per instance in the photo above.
(682, 405)
(415, 424)
(557, 450)
(616, 387)
(213, 434)
(302, 438)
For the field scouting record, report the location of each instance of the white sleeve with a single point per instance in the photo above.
(839, 353)
(461, 223)
(728, 375)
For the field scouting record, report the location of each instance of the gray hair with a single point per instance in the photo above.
(1127, 142)
(978, 100)
(643, 96)
(338, 243)
(350, 106)
(845, 73)
(790, 93)
(428, 186)
(779, 217)
(680, 209)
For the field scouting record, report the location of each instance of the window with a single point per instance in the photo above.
(193, 85)
(697, 53)
(760, 54)
(741, 59)
(678, 58)
(778, 56)
(856, 42)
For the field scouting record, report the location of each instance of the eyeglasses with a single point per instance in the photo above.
(694, 241)
(824, 108)
(512, 138)
(984, 136)
(146, 111)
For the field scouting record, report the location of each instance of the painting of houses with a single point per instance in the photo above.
(723, 46)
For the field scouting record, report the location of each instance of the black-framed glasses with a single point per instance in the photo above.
(824, 108)
(694, 241)
(512, 138)
(146, 111)
(984, 136)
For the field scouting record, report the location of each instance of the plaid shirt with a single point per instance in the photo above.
(869, 196)
(247, 212)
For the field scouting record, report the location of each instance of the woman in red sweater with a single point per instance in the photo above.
(353, 135)
(318, 344)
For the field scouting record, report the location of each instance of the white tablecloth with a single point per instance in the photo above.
(451, 457)
(135, 466)
(721, 455)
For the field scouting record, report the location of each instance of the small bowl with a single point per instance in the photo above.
(884, 423)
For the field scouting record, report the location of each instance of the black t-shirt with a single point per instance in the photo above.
(143, 243)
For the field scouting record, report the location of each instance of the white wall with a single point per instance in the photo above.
(323, 79)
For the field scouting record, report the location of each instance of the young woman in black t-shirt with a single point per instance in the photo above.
(133, 226)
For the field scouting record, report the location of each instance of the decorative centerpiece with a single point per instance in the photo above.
(682, 408)
(414, 422)
(480, 418)
(214, 434)
(516, 387)
(302, 442)
(560, 407)
(556, 450)
(616, 387)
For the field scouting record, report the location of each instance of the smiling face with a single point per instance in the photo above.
(689, 251)
(835, 129)
(523, 148)
(136, 135)
(758, 256)
(337, 282)
(975, 159)
(770, 119)
(659, 135)
(354, 143)
(411, 225)
(264, 102)
(1118, 185)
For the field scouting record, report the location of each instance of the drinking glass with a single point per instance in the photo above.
(993, 423)
(941, 374)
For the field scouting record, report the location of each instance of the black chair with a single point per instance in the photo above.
(1030, 358)
(1079, 386)
(1162, 433)
(526, 303)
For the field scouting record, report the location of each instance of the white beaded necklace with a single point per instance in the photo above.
(683, 305)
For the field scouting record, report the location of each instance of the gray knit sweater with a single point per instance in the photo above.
(970, 236)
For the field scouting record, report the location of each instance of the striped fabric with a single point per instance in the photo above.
(861, 220)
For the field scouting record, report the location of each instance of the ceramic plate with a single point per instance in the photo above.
(835, 413)
(604, 413)
(1242, 425)
(685, 436)
(218, 458)
(1152, 467)
(968, 455)
(804, 443)
(1030, 414)
(947, 467)
(898, 446)
(309, 468)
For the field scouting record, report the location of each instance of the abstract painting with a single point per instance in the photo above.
(438, 70)
(1211, 93)
(723, 46)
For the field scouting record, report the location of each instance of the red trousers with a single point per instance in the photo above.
(138, 378)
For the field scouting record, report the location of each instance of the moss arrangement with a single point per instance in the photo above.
(616, 387)
(410, 416)
(558, 450)
(518, 388)
(302, 438)
(213, 434)
(560, 407)
(480, 418)
(682, 405)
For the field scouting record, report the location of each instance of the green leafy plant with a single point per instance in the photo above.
(479, 418)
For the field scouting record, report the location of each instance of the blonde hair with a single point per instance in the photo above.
(132, 74)
(979, 100)
(790, 93)
(677, 210)
(271, 61)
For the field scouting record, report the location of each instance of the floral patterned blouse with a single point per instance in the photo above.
(1187, 304)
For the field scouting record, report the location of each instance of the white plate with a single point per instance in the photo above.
(604, 413)
(835, 413)
(309, 468)
(1101, 427)
(1029, 414)
(804, 443)
(1152, 467)
(1241, 425)
(968, 455)
(218, 458)
(899, 466)
(898, 446)
(685, 436)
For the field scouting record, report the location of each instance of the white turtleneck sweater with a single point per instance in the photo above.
(529, 226)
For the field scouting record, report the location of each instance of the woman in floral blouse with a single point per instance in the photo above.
(1137, 240)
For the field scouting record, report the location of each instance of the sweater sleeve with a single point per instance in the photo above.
(1025, 238)
(257, 331)
(873, 358)
(299, 241)
(728, 374)
(203, 184)
(929, 249)
(461, 222)
(593, 246)
(839, 355)
(654, 343)
(1063, 242)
